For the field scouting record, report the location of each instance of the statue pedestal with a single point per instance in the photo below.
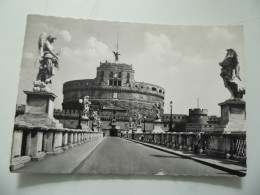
(38, 113)
(157, 127)
(139, 129)
(130, 130)
(95, 127)
(39, 110)
(233, 116)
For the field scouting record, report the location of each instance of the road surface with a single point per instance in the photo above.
(119, 156)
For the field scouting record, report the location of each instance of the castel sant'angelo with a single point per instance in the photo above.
(115, 89)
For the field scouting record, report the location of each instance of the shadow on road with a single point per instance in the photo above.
(164, 156)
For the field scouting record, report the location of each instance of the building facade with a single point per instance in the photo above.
(114, 87)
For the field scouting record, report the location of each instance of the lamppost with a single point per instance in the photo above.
(171, 122)
(144, 123)
(80, 110)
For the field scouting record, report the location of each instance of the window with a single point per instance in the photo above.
(111, 74)
(128, 75)
(119, 83)
(119, 74)
(110, 82)
(115, 83)
(114, 95)
(154, 89)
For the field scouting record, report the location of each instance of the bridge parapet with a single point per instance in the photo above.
(33, 143)
(230, 145)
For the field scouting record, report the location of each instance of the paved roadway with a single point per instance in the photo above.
(119, 156)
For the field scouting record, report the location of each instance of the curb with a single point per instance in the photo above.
(229, 170)
(87, 155)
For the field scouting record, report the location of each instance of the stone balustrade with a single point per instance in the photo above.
(34, 142)
(218, 144)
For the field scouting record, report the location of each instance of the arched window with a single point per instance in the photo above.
(154, 89)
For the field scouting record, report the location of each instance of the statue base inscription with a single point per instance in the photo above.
(157, 127)
(233, 116)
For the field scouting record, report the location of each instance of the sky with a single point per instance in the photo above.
(184, 60)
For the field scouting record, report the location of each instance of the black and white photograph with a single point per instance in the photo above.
(126, 98)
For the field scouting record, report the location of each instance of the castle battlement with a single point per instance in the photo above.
(198, 111)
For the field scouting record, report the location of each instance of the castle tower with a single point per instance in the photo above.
(198, 116)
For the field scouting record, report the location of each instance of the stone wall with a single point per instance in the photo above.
(221, 145)
(34, 142)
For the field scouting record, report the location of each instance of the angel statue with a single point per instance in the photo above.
(157, 107)
(116, 55)
(95, 117)
(47, 60)
(99, 122)
(139, 118)
(86, 105)
(230, 72)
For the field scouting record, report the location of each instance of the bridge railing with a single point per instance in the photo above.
(218, 144)
(33, 143)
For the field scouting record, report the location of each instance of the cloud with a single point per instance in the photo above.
(28, 55)
(65, 35)
(158, 50)
(92, 49)
(220, 34)
(85, 58)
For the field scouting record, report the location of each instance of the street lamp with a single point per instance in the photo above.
(144, 123)
(171, 122)
(80, 109)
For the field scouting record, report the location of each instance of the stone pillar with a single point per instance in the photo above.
(70, 139)
(20, 149)
(173, 140)
(85, 137)
(79, 138)
(189, 142)
(48, 143)
(180, 141)
(17, 143)
(36, 146)
(65, 140)
(57, 144)
(75, 141)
